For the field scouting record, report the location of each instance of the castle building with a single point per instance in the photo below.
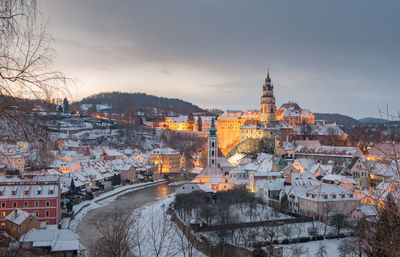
(229, 128)
(292, 115)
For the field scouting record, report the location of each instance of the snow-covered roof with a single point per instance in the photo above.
(56, 239)
(329, 193)
(339, 179)
(265, 166)
(17, 216)
(338, 151)
(164, 151)
(273, 184)
(212, 172)
(240, 114)
(302, 179)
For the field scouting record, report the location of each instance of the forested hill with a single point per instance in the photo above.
(340, 119)
(133, 102)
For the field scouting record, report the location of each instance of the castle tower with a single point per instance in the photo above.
(212, 160)
(267, 114)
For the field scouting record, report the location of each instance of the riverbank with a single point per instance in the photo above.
(84, 222)
(82, 208)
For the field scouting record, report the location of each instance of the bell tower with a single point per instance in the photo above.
(268, 108)
(212, 160)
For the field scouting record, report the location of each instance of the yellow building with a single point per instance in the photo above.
(229, 124)
(168, 160)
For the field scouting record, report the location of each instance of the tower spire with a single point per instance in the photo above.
(212, 160)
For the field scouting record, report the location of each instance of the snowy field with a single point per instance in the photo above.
(311, 249)
(158, 234)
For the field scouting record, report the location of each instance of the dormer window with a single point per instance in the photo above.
(351, 195)
(325, 196)
(333, 196)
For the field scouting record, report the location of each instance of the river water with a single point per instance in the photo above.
(86, 228)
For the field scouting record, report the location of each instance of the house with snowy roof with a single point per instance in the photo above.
(338, 154)
(54, 241)
(384, 151)
(326, 200)
(368, 212)
(19, 222)
(347, 182)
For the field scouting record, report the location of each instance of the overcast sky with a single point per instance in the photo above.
(329, 56)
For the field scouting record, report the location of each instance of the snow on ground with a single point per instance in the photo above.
(312, 248)
(86, 206)
(160, 236)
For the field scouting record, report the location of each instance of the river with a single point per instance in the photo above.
(86, 228)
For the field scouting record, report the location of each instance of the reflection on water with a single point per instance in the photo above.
(146, 195)
(164, 190)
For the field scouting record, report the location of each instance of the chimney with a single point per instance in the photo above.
(15, 213)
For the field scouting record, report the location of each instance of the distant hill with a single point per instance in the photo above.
(340, 119)
(371, 120)
(133, 102)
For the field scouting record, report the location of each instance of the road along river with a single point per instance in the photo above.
(86, 227)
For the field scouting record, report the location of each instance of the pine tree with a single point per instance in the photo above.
(382, 238)
(199, 124)
(190, 121)
(66, 105)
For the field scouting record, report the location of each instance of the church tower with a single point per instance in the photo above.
(212, 160)
(267, 114)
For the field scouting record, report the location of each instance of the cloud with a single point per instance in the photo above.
(329, 56)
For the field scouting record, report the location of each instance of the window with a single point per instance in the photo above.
(47, 213)
(3, 225)
(36, 214)
(15, 204)
(3, 205)
(325, 206)
(25, 204)
(36, 203)
(47, 203)
(3, 214)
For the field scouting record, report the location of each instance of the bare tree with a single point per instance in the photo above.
(117, 238)
(159, 232)
(26, 75)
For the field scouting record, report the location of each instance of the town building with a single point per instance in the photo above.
(39, 195)
(291, 114)
(325, 200)
(338, 154)
(215, 176)
(53, 241)
(20, 222)
(13, 162)
(167, 159)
